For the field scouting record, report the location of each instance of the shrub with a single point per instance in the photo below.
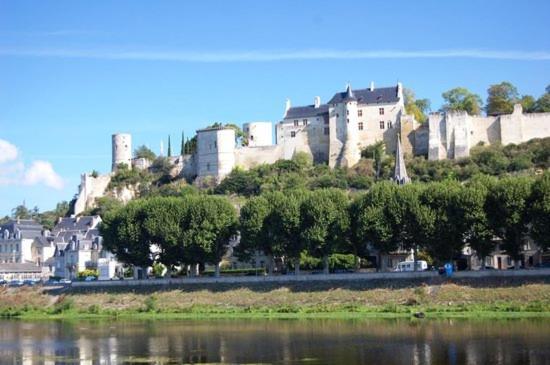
(62, 305)
(85, 273)
(150, 304)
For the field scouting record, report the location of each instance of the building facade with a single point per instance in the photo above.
(78, 247)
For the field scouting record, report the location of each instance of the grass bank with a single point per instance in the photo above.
(484, 299)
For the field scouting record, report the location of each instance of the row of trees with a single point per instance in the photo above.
(435, 218)
(172, 231)
(47, 218)
(500, 100)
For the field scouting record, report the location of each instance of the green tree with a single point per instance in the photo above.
(144, 152)
(543, 103)
(373, 220)
(501, 98)
(376, 152)
(325, 223)
(182, 151)
(449, 226)
(251, 226)
(49, 218)
(283, 225)
(540, 211)
(413, 221)
(507, 209)
(528, 103)
(461, 99)
(21, 212)
(103, 205)
(416, 107)
(162, 228)
(212, 222)
(190, 146)
(124, 236)
(473, 199)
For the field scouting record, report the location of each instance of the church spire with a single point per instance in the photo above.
(400, 174)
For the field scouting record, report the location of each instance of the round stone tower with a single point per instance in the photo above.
(351, 153)
(122, 150)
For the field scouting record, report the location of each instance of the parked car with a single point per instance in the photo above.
(64, 281)
(90, 278)
(421, 265)
(29, 282)
(3, 282)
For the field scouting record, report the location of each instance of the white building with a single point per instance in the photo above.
(24, 248)
(78, 247)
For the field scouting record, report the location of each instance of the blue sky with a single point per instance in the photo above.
(74, 72)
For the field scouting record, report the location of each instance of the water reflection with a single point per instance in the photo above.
(276, 341)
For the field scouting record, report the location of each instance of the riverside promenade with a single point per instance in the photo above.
(348, 277)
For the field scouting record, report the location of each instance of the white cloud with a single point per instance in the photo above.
(13, 171)
(42, 172)
(8, 152)
(274, 55)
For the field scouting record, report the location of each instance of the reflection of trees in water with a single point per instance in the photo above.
(238, 341)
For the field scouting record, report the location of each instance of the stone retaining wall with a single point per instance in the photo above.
(398, 276)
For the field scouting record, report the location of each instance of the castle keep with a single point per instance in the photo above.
(332, 133)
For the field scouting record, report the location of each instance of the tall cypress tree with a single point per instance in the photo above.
(169, 147)
(182, 143)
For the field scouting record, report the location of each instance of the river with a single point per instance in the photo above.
(330, 341)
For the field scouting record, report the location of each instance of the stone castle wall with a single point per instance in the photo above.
(90, 188)
(453, 134)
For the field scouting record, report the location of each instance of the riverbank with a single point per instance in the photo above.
(498, 298)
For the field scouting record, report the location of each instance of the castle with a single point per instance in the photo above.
(332, 133)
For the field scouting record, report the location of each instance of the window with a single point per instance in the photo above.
(327, 131)
(347, 120)
(360, 125)
(304, 122)
(208, 166)
(381, 111)
(390, 124)
(347, 112)
(337, 115)
(292, 134)
(215, 144)
(381, 124)
(251, 138)
(360, 112)
(296, 122)
(326, 120)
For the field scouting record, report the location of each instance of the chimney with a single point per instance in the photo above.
(287, 106)
(371, 86)
(317, 101)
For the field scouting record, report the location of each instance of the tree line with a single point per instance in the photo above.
(501, 99)
(437, 219)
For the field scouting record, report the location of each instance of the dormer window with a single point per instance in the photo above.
(296, 122)
(381, 111)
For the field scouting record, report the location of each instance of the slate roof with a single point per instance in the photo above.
(381, 95)
(19, 267)
(306, 111)
(29, 228)
(75, 224)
